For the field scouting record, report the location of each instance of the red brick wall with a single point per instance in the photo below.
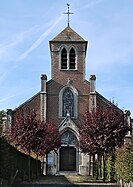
(53, 89)
(33, 103)
(62, 75)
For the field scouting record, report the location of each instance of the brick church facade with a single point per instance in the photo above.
(65, 98)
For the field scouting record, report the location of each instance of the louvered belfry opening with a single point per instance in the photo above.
(63, 59)
(72, 59)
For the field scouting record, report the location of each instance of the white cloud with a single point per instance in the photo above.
(40, 39)
(6, 98)
(3, 76)
(89, 5)
(14, 93)
(92, 3)
(8, 48)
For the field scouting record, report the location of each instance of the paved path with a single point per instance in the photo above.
(63, 181)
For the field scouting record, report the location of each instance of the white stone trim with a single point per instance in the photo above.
(70, 47)
(43, 106)
(68, 124)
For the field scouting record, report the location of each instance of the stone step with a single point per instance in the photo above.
(67, 185)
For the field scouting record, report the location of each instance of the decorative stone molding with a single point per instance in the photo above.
(43, 82)
(43, 98)
(68, 124)
(92, 83)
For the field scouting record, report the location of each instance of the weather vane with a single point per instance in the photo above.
(68, 13)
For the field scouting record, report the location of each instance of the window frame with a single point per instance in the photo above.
(64, 58)
(68, 103)
(68, 50)
(72, 55)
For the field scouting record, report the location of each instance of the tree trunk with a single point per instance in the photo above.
(104, 168)
(37, 165)
(112, 172)
(46, 164)
(89, 165)
(100, 166)
(93, 173)
(97, 167)
(29, 166)
(43, 166)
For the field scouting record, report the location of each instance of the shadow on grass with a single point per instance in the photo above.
(63, 181)
(49, 180)
(60, 179)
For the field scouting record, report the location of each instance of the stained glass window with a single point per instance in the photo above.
(68, 138)
(68, 103)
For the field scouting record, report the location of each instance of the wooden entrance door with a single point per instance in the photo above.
(67, 159)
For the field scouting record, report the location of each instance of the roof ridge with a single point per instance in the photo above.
(68, 34)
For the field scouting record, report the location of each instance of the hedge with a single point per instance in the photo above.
(124, 163)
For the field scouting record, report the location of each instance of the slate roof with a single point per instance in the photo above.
(68, 34)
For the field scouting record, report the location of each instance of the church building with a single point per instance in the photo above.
(65, 98)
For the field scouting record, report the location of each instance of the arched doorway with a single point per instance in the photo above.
(68, 156)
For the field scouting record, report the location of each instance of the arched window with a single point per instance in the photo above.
(68, 59)
(72, 59)
(68, 138)
(63, 59)
(68, 103)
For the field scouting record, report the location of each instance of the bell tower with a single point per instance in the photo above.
(68, 52)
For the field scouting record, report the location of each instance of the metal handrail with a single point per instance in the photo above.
(14, 177)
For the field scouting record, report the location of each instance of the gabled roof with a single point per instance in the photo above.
(67, 123)
(107, 102)
(27, 101)
(68, 34)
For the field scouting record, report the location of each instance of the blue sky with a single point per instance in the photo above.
(26, 26)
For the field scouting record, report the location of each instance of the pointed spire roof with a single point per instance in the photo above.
(68, 34)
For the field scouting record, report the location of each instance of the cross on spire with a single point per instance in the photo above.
(68, 13)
